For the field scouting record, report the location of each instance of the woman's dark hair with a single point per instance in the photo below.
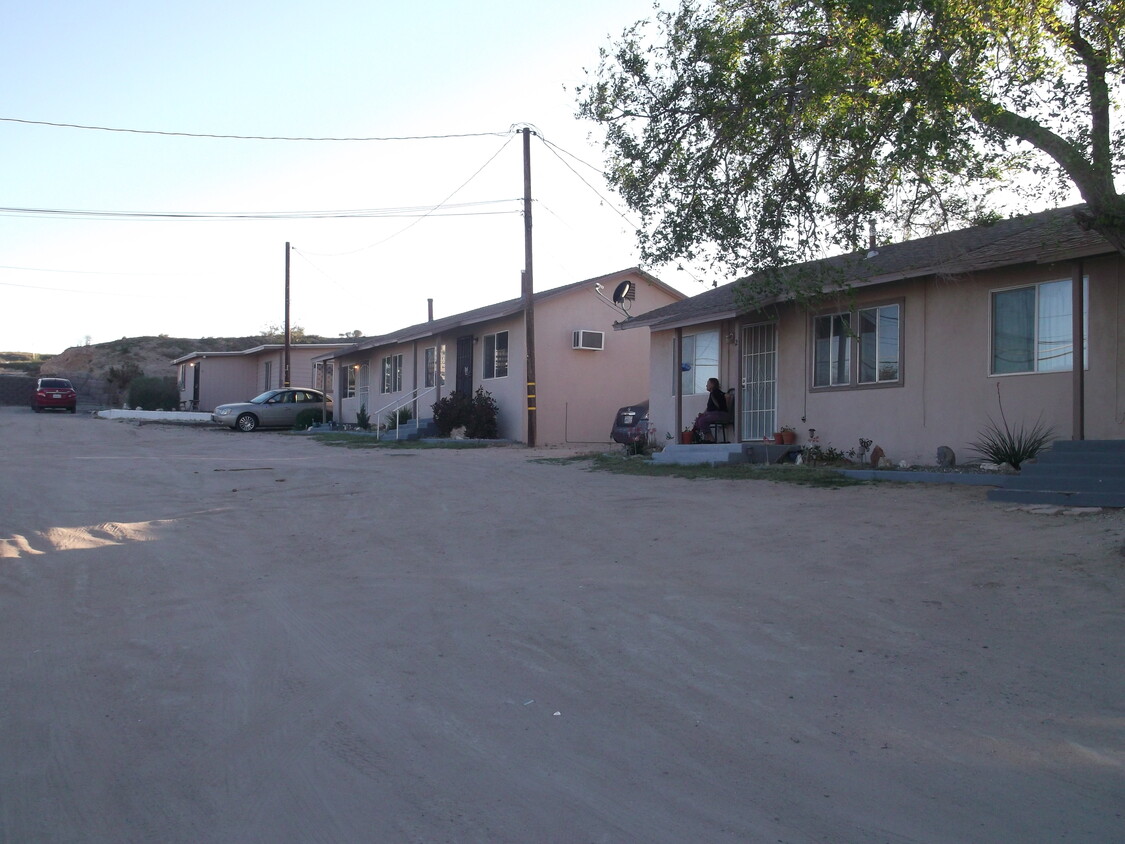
(714, 381)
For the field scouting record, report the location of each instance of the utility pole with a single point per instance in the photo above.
(527, 288)
(1078, 352)
(285, 361)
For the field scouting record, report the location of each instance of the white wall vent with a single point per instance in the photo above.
(589, 340)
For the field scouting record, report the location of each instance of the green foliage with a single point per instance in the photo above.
(1014, 447)
(451, 412)
(399, 417)
(362, 419)
(1000, 444)
(309, 417)
(802, 475)
(756, 135)
(149, 392)
(122, 376)
(478, 414)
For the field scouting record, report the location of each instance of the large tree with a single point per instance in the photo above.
(754, 134)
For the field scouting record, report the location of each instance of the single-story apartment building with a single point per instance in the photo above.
(208, 379)
(911, 345)
(584, 370)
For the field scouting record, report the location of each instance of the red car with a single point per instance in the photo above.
(54, 393)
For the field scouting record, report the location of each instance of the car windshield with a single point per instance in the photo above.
(264, 397)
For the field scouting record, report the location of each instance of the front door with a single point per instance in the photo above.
(465, 365)
(195, 387)
(759, 381)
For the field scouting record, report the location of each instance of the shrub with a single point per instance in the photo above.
(399, 417)
(362, 419)
(150, 392)
(451, 412)
(1003, 445)
(478, 414)
(308, 417)
(483, 417)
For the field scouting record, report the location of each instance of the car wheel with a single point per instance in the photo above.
(247, 422)
(37, 408)
(74, 409)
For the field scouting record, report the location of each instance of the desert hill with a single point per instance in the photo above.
(91, 367)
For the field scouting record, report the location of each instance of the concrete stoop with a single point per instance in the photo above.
(1073, 473)
(715, 454)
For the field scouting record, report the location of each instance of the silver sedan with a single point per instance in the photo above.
(272, 409)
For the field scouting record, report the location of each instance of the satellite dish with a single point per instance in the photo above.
(625, 290)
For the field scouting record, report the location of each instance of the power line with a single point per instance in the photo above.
(422, 211)
(254, 137)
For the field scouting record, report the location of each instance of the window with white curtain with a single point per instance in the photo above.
(699, 361)
(392, 374)
(496, 355)
(1032, 328)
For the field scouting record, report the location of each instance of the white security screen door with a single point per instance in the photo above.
(759, 381)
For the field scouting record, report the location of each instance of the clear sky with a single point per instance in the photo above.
(333, 69)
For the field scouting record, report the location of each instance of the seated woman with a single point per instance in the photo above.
(717, 411)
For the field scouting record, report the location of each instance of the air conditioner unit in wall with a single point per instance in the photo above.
(589, 340)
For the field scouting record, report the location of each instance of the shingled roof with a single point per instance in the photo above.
(1035, 238)
(432, 328)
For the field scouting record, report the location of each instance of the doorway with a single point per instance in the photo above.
(759, 381)
(465, 365)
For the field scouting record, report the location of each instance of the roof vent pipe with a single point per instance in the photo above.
(430, 310)
(871, 244)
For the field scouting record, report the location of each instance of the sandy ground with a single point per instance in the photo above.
(218, 637)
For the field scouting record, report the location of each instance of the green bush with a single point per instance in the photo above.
(399, 417)
(1003, 445)
(150, 392)
(308, 417)
(478, 414)
(451, 412)
(362, 418)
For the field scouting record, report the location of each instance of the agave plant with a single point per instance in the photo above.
(1004, 445)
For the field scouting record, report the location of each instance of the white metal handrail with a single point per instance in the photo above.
(394, 407)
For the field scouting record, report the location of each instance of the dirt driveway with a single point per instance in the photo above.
(218, 637)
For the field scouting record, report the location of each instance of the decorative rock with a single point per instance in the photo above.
(457, 433)
(1008, 469)
(877, 456)
(946, 459)
(885, 463)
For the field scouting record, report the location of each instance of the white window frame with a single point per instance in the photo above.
(1038, 354)
(435, 366)
(350, 381)
(495, 357)
(392, 374)
(694, 370)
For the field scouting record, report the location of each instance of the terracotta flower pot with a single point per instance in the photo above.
(788, 437)
(778, 439)
(687, 437)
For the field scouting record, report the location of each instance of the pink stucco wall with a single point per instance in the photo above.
(946, 393)
(577, 391)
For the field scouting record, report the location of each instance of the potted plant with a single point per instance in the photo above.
(788, 434)
(687, 436)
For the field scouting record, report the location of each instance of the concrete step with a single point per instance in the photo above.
(1109, 459)
(1062, 499)
(707, 454)
(1088, 445)
(1071, 470)
(1062, 483)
